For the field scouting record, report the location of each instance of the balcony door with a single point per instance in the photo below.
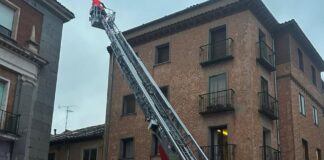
(263, 46)
(217, 90)
(219, 144)
(267, 150)
(217, 43)
(264, 95)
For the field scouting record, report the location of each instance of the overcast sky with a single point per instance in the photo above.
(83, 70)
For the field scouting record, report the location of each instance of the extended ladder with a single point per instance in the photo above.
(163, 120)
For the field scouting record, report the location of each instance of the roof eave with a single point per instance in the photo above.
(58, 9)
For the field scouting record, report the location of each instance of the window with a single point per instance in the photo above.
(217, 43)
(90, 154)
(155, 146)
(127, 149)
(217, 89)
(305, 147)
(51, 156)
(313, 75)
(300, 60)
(128, 104)
(302, 105)
(318, 154)
(7, 19)
(315, 115)
(162, 54)
(3, 94)
(165, 92)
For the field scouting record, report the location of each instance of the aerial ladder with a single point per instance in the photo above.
(176, 140)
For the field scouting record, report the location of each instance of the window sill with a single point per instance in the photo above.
(129, 114)
(159, 64)
(304, 115)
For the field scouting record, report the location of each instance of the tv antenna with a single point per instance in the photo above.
(67, 110)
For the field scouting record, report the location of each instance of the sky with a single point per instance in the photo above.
(83, 69)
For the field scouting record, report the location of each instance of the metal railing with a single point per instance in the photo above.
(216, 101)
(9, 122)
(266, 55)
(216, 51)
(220, 152)
(269, 153)
(268, 105)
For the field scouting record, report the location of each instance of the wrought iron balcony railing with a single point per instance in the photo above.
(214, 102)
(268, 105)
(216, 52)
(9, 122)
(266, 56)
(269, 153)
(220, 152)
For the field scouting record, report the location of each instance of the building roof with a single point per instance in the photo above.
(58, 9)
(292, 27)
(255, 6)
(83, 134)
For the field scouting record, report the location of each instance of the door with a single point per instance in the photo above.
(217, 90)
(219, 144)
(217, 43)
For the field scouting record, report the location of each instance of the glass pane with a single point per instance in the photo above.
(2, 94)
(86, 154)
(6, 16)
(93, 155)
(129, 149)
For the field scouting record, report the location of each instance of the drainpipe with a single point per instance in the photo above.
(276, 95)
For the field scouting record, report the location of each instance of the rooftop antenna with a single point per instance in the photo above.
(67, 110)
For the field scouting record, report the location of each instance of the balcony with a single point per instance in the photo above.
(216, 52)
(9, 122)
(215, 102)
(219, 152)
(268, 105)
(266, 56)
(269, 153)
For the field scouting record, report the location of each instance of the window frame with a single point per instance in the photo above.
(124, 113)
(318, 154)
(90, 152)
(6, 92)
(156, 61)
(123, 148)
(315, 116)
(306, 149)
(302, 106)
(16, 17)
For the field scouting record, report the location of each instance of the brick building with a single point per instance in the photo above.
(84, 143)
(30, 39)
(230, 71)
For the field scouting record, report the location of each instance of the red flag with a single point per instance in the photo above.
(163, 155)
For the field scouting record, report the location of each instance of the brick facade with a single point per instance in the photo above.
(187, 79)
